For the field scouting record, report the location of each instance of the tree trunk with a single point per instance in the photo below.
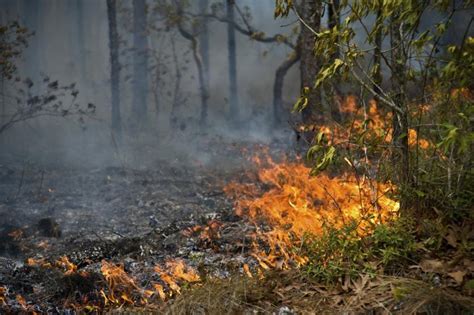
(333, 21)
(114, 70)
(177, 87)
(140, 64)
(231, 46)
(400, 155)
(278, 84)
(80, 40)
(377, 59)
(204, 41)
(203, 87)
(310, 11)
(31, 11)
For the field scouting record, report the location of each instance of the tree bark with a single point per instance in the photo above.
(140, 63)
(33, 52)
(377, 59)
(400, 155)
(114, 69)
(232, 57)
(203, 87)
(79, 15)
(334, 21)
(204, 39)
(278, 84)
(310, 11)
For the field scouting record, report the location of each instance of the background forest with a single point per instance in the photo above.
(278, 156)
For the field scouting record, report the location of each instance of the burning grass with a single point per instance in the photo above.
(296, 204)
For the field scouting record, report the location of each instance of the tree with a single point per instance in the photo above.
(193, 36)
(33, 52)
(140, 63)
(54, 100)
(420, 73)
(114, 69)
(310, 64)
(81, 39)
(280, 74)
(204, 38)
(333, 22)
(232, 57)
(248, 30)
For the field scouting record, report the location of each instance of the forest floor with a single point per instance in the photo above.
(119, 237)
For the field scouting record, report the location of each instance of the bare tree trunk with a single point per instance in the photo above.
(377, 59)
(400, 153)
(310, 11)
(32, 13)
(140, 64)
(79, 15)
(204, 39)
(334, 21)
(114, 69)
(177, 87)
(278, 84)
(231, 46)
(203, 87)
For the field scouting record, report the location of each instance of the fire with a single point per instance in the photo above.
(3, 296)
(67, 266)
(176, 271)
(207, 233)
(297, 204)
(122, 289)
(120, 285)
(16, 234)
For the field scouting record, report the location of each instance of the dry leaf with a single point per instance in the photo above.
(432, 265)
(458, 276)
(451, 238)
(469, 264)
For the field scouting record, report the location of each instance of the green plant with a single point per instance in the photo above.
(338, 253)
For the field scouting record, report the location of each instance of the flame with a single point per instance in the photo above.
(122, 289)
(3, 296)
(207, 233)
(293, 203)
(176, 271)
(16, 234)
(120, 285)
(296, 204)
(68, 267)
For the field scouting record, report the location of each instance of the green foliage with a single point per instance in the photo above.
(343, 252)
(13, 39)
(282, 8)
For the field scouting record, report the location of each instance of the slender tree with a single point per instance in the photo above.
(81, 40)
(114, 69)
(204, 38)
(377, 58)
(333, 22)
(33, 52)
(248, 30)
(280, 74)
(400, 154)
(140, 63)
(232, 57)
(203, 83)
(310, 11)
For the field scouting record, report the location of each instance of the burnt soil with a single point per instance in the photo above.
(132, 216)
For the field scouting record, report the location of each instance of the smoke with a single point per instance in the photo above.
(71, 45)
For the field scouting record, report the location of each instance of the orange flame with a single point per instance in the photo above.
(297, 203)
(120, 284)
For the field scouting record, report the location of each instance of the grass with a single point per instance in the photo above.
(304, 295)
